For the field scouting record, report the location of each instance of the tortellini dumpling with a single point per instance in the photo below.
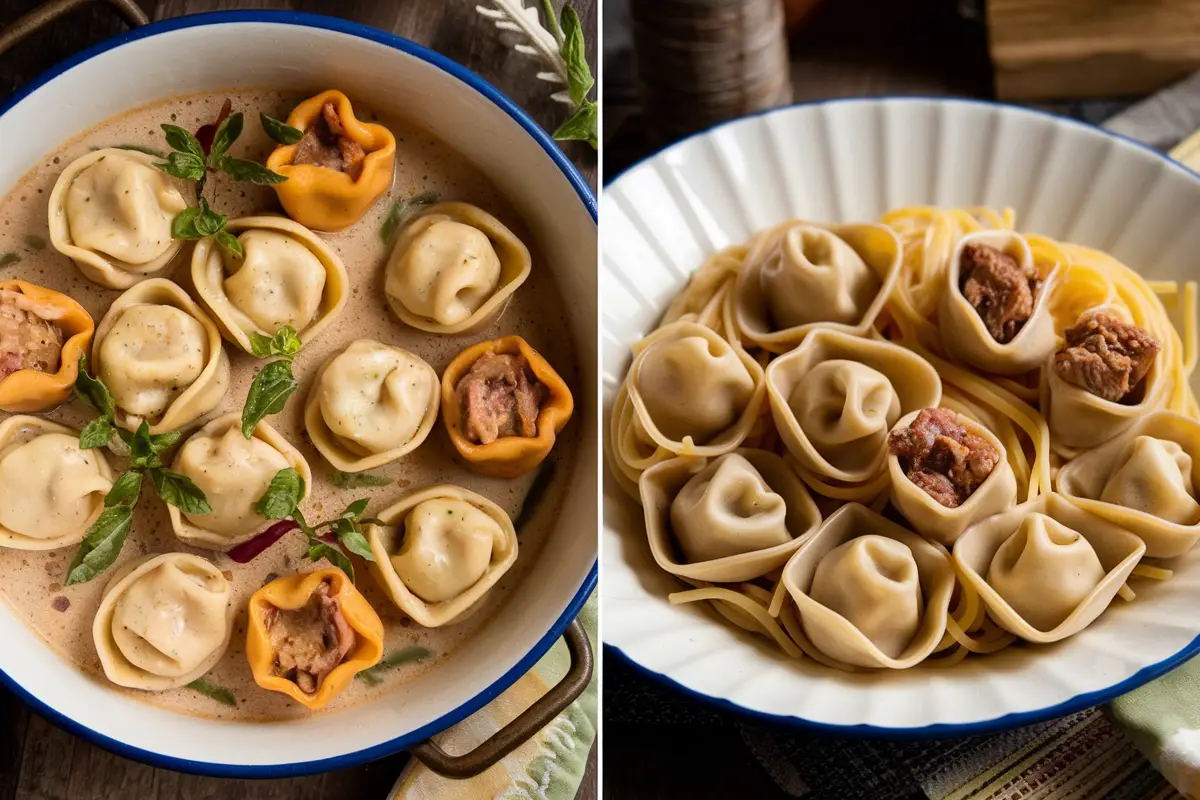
(288, 276)
(50, 489)
(453, 268)
(799, 275)
(234, 473)
(371, 404)
(693, 391)
(111, 213)
(965, 333)
(439, 551)
(835, 397)
(1145, 481)
(163, 622)
(870, 593)
(735, 517)
(161, 357)
(1046, 569)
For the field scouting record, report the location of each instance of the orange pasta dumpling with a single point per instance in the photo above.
(43, 333)
(310, 634)
(338, 169)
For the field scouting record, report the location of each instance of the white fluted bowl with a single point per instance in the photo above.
(852, 160)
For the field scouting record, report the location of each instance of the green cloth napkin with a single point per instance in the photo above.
(550, 766)
(1163, 720)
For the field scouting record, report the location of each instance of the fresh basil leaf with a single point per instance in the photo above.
(141, 447)
(213, 692)
(318, 549)
(161, 442)
(401, 210)
(285, 343)
(182, 140)
(358, 480)
(183, 226)
(227, 133)
(208, 222)
(354, 509)
(269, 392)
(299, 519)
(126, 490)
(282, 495)
(101, 546)
(34, 242)
(230, 244)
(95, 434)
(185, 166)
(140, 148)
(574, 53)
(8, 259)
(356, 543)
(93, 391)
(241, 169)
(280, 131)
(180, 491)
(372, 676)
(580, 126)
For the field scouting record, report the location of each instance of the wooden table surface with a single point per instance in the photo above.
(41, 762)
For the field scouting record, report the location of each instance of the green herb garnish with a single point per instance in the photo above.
(401, 210)
(9, 258)
(213, 691)
(105, 538)
(188, 161)
(200, 222)
(359, 480)
(371, 676)
(274, 383)
(280, 131)
(282, 500)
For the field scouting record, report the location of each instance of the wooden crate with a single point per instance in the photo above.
(1060, 49)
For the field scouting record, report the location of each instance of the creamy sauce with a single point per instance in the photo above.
(32, 582)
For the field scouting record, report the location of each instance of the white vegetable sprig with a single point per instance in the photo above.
(561, 47)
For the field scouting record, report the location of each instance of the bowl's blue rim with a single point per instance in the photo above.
(1079, 702)
(586, 196)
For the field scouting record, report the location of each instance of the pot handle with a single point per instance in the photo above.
(524, 727)
(47, 13)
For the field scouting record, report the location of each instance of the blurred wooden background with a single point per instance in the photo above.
(41, 762)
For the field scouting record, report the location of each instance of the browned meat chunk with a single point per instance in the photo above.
(942, 457)
(310, 641)
(29, 339)
(998, 288)
(500, 396)
(325, 144)
(1106, 356)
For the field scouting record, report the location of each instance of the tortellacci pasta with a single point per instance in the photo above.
(288, 276)
(1144, 481)
(1079, 420)
(51, 491)
(111, 212)
(870, 593)
(1046, 569)
(161, 357)
(964, 333)
(163, 622)
(234, 473)
(732, 518)
(370, 405)
(31, 390)
(440, 550)
(835, 398)
(454, 268)
(937, 522)
(798, 275)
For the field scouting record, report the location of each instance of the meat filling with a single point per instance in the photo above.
(500, 396)
(1106, 356)
(29, 339)
(942, 458)
(998, 288)
(325, 144)
(310, 641)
